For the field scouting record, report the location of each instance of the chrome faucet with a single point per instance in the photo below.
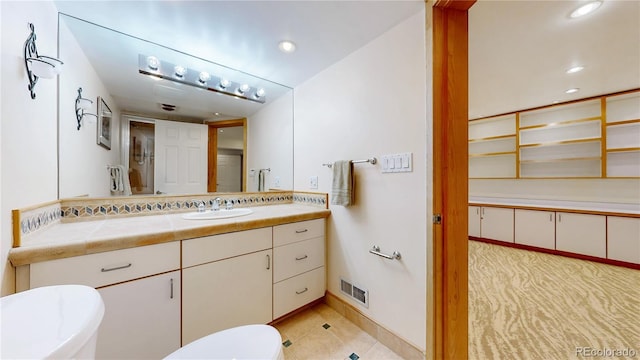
(229, 203)
(215, 205)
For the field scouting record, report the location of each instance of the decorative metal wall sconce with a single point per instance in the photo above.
(38, 66)
(152, 66)
(82, 104)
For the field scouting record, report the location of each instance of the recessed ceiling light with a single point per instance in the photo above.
(572, 90)
(575, 69)
(287, 46)
(585, 9)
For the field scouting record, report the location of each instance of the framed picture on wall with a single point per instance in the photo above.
(104, 124)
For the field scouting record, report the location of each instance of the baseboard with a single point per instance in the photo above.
(384, 336)
(557, 252)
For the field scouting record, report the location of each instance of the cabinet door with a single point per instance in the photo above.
(535, 228)
(496, 224)
(581, 234)
(226, 293)
(623, 239)
(474, 221)
(141, 319)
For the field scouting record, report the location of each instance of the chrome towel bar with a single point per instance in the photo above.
(373, 161)
(376, 251)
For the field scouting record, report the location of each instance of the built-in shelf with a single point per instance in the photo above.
(593, 138)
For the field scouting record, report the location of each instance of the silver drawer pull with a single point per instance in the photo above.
(302, 258)
(116, 268)
(301, 231)
(302, 291)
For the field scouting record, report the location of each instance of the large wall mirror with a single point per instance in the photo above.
(165, 132)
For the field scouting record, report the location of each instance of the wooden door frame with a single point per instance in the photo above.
(213, 151)
(448, 304)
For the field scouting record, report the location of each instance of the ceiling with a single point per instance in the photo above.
(518, 50)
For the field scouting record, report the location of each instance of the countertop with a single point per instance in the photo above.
(578, 206)
(64, 240)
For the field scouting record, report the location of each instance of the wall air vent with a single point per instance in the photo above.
(355, 292)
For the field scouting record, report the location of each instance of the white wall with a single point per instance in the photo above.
(371, 103)
(28, 127)
(270, 143)
(83, 163)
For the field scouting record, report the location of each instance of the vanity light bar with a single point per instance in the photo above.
(201, 79)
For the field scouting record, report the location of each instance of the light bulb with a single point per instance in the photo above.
(287, 46)
(204, 77)
(224, 83)
(572, 90)
(260, 93)
(575, 69)
(179, 71)
(153, 63)
(243, 88)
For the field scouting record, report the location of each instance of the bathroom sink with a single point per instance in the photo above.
(220, 214)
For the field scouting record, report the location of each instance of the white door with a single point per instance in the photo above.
(535, 228)
(180, 158)
(581, 234)
(229, 173)
(141, 318)
(474, 221)
(496, 223)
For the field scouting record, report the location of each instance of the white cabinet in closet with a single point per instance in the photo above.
(474, 221)
(141, 293)
(623, 239)
(561, 141)
(581, 234)
(299, 265)
(491, 223)
(623, 135)
(226, 282)
(492, 147)
(535, 228)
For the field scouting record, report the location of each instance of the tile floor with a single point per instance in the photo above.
(321, 333)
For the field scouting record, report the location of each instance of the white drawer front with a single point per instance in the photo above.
(217, 247)
(303, 230)
(295, 292)
(296, 258)
(108, 267)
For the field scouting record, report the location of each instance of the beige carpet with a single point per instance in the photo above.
(530, 305)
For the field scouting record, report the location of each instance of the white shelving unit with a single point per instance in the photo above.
(623, 135)
(492, 147)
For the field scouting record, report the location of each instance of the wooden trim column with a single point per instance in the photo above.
(450, 171)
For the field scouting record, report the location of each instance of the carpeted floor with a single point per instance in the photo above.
(530, 305)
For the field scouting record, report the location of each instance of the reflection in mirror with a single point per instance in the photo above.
(105, 63)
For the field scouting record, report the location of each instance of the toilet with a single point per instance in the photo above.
(242, 342)
(59, 322)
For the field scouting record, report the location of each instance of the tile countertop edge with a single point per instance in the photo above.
(26, 255)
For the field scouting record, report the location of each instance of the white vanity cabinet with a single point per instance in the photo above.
(140, 288)
(299, 265)
(142, 318)
(535, 228)
(491, 223)
(623, 239)
(581, 234)
(226, 282)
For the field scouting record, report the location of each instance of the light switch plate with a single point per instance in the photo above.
(313, 182)
(394, 163)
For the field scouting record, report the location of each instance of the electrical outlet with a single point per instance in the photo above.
(276, 182)
(313, 182)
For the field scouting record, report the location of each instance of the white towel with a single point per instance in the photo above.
(261, 175)
(343, 184)
(119, 180)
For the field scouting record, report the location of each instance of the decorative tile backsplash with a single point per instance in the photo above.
(85, 209)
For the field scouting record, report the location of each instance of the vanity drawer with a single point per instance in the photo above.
(303, 230)
(298, 291)
(217, 247)
(106, 268)
(296, 258)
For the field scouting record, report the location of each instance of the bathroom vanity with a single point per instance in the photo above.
(167, 281)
